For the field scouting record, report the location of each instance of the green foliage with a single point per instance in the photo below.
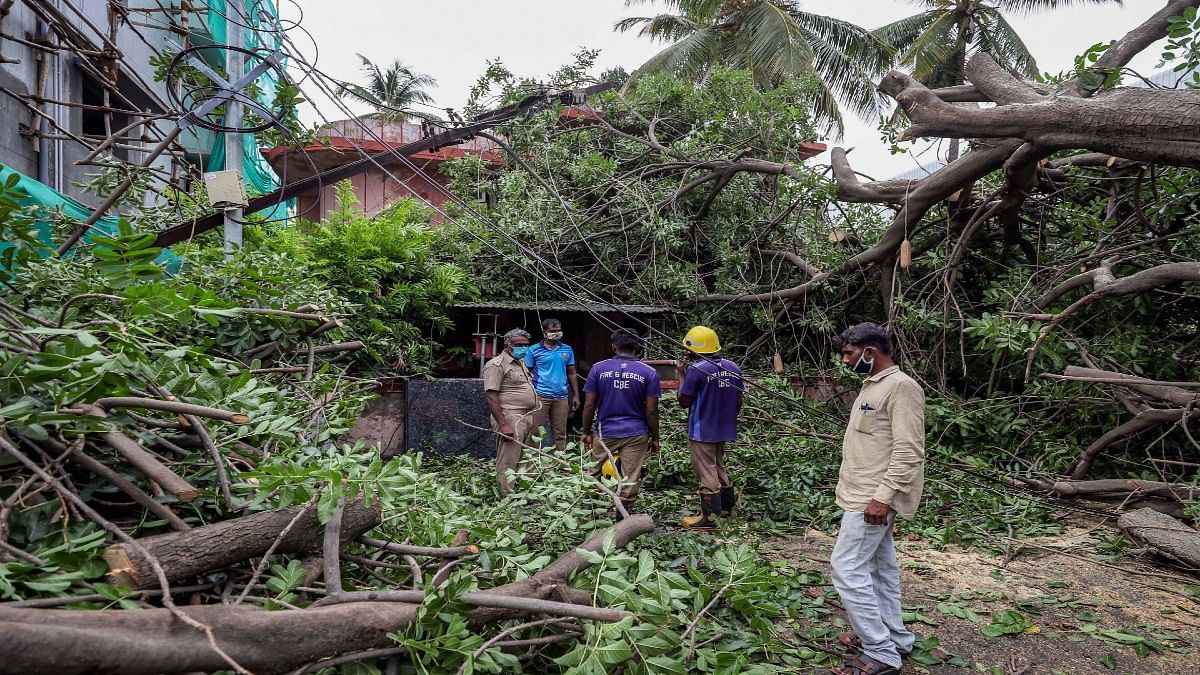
(1182, 51)
(605, 207)
(22, 243)
(1007, 623)
(392, 267)
(391, 91)
(109, 322)
(775, 41)
(1091, 77)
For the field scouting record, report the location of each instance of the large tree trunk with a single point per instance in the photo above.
(151, 641)
(1164, 535)
(203, 549)
(1141, 124)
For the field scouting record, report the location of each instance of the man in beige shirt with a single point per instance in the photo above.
(882, 475)
(508, 392)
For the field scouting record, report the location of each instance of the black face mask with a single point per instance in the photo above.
(863, 366)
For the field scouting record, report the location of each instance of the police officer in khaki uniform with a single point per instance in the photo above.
(511, 400)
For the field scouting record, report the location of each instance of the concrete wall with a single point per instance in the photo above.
(382, 424)
(375, 190)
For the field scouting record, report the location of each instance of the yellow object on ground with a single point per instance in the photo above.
(609, 469)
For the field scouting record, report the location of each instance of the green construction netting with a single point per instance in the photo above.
(36, 194)
(258, 174)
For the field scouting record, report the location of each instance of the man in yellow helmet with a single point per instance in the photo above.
(711, 389)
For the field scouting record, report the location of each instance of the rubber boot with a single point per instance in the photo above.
(728, 500)
(710, 508)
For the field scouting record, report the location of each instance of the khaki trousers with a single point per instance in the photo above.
(508, 452)
(708, 460)
(633, 454)
(556, 412)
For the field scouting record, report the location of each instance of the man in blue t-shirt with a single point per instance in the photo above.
(622, 394)
(552, 363)
(711, 390)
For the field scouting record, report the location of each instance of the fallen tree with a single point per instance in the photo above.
(145, 642)
(1145, 417)
(215, 547)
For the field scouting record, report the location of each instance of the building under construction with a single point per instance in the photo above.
(78, 90)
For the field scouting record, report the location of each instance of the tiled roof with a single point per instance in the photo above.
(566, 306)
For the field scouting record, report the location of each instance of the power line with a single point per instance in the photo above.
(540, 273)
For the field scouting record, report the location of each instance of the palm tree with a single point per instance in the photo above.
(772, 39)
(391, 92)
(937, 43)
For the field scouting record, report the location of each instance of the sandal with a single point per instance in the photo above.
(864, 665)
(852, 641)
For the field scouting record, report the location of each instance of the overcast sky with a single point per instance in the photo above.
(452, 40)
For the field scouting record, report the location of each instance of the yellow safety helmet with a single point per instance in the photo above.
(702, 340)
(608, 469)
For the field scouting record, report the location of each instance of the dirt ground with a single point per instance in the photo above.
(1070, 601)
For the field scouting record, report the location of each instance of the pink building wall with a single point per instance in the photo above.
(347, 140)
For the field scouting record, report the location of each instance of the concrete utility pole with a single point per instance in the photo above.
(233, 117)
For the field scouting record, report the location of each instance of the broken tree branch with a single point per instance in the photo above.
(332, 548)
(148, 642)
(217, 546)
(215, 651)
(145, 462)
(176, 407)
(430, 551)
(1162, 391)
(1100, 124)
(1141, 422)
(137, 494)
(486, 600)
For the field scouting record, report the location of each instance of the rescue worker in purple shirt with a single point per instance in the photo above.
(621, 403)
(711, 389)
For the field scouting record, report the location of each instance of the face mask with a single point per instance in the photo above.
(519, 352)
(864, 367)
(556, 335)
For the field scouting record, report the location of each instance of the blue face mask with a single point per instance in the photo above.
(863, 366)
(519, 352)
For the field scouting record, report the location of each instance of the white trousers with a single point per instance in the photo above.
(867, 577)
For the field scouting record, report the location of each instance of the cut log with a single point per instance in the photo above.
(149, 641)
(1165, 536)
(203, 549)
